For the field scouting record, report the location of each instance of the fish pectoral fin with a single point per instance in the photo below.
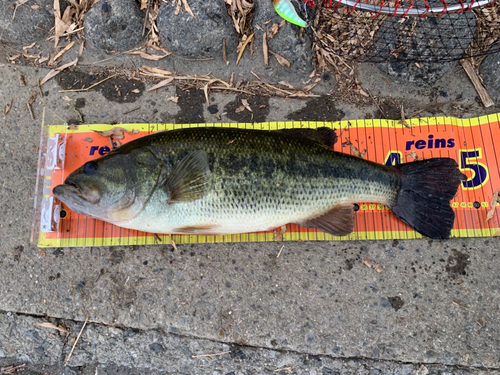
(323, 135)
(190, 180)
(339, 221)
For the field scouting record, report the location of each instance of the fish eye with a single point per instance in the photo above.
(90, 167)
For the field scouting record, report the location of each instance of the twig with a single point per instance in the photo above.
(77, 112)
(12, 369)
(209, 355)
(483, 94)
(73, 348)
(288, 368)
(90, 87)
(463, 307)
(432, 107)
(282, 247)
(31, 111)
(40, 88)
(376, 103)
(146, 19)
(243, 48)
(132, 110)
(8, 107)
(224, 55)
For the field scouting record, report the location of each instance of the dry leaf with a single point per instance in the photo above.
(372, 264)
(32, 98)
(116, 132)
(412, 155)
(243, 47)
(144, 4)
(60, 26)
(239, 109)
(134, 131)
(22, 80)
(7, 108)
(136, 91)
(80, 49)
(265, 49)
(148, 56)
(42, 253)
(174, 99)
(246, 105)
(161, 84)
(53, 326)
(88, 139)
(188, 8)
(356, 152)
(56, 71)
(281, 60)
(363, 92)
(64, 50)
(67, 98)
(155, 70)
(493, 205)
(273, 30)
(26, 48)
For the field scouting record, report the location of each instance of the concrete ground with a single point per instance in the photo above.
(236, 308)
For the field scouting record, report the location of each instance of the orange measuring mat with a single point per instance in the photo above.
(471, 142)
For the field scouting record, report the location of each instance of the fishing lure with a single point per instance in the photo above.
(287, 11)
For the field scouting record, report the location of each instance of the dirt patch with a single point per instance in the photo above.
(318, 109)
(116, 89)
(396, 302)
(191, 106)
(237, 110)
(457, 263)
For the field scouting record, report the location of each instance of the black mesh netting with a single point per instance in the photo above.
(355, 34)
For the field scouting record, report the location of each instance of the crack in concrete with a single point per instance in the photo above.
(234, 344)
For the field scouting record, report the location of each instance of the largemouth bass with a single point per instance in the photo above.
(229, 180)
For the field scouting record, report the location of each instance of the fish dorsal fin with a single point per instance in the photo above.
(339, 221)
(190, 180)
(323, 135)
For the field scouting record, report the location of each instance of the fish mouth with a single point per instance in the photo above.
(73, 192)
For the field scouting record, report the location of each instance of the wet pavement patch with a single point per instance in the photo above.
(119, 90)
(191, 106)
(396, 302)
(318, 109)
(457, 263)
(388, 110)
(237, 111)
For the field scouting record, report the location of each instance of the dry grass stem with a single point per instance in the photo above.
(209, 355)
(76, 341)
(90, 87)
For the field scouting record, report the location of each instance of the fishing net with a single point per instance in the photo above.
(430, 31)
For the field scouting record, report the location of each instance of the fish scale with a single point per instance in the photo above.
(265, 194)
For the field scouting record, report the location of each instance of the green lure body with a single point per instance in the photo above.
(287, 11)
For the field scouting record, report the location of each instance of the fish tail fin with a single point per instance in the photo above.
(423, 202)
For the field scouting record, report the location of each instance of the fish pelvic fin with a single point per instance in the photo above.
(339, 221)
(423, 202)
(190, 180)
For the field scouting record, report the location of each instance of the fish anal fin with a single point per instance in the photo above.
(190, 180)
(339, 221)
(323, 135)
